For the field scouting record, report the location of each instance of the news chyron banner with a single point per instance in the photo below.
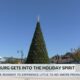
(39, 71)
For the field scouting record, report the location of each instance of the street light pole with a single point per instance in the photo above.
(22, 54)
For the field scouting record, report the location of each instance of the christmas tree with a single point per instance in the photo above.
(38, 52)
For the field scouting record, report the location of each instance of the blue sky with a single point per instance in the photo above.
(60, 23)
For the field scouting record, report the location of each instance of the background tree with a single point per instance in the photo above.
(76, 55)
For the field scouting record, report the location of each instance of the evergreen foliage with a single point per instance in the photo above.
(38, 52)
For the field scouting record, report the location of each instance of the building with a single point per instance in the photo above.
(63, 59)
(2, 60)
